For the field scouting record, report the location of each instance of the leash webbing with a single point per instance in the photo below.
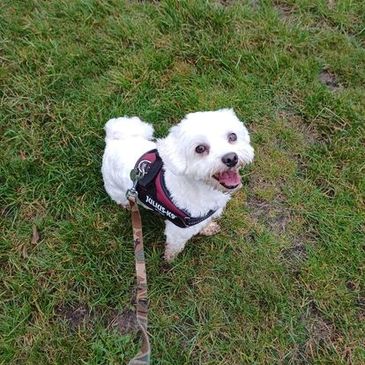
(143, 357)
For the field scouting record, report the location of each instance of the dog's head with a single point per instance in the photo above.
(210, 147)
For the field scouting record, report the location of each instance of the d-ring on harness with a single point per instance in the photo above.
(143, 357)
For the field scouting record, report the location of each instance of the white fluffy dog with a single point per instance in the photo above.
(201, 158)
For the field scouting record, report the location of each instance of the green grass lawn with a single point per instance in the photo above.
(283, 283)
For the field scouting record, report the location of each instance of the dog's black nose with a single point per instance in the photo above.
(230, 159)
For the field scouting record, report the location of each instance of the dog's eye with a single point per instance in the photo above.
(201, 148)
(232, 137)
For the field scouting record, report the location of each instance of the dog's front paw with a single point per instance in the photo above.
(211, 229)
(170, 255)
(171, 251)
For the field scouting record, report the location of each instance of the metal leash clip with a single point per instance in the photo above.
(135, 175)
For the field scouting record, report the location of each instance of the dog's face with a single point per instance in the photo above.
(209, 147)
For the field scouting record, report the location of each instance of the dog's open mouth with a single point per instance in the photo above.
(230, 179)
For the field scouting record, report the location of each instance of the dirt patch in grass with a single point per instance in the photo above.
(322, 333)
(322, 336)
(284, 10)
(80, 314)
(308, 132)
(75, 315)
(265, 200)
(328, 78)
(275, 215)
(125, 322)
(306, 136)
(297, 252)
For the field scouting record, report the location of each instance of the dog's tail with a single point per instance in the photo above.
(126, 127)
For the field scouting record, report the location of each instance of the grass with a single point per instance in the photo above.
(283, 283)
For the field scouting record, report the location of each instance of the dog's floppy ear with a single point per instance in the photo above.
(171, 151)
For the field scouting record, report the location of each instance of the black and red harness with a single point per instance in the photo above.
(153, 193)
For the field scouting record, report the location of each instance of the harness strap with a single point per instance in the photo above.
(153, 193)
(143, 357)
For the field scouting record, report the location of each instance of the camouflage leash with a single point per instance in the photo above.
(143, 357)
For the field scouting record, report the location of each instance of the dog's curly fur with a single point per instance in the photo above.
(198, 181)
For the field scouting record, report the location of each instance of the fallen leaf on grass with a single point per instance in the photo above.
(35, 235)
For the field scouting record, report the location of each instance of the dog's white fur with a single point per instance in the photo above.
(188, 174)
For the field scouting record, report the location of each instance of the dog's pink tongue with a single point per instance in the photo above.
(229, 178)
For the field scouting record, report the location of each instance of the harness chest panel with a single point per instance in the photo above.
(154, 195)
